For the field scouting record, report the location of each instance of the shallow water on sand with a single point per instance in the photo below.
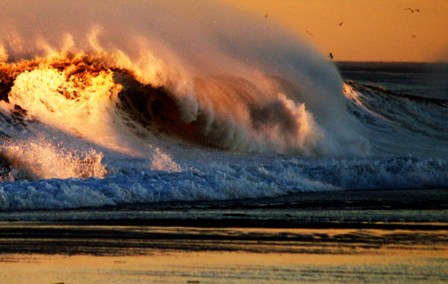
(336, 237)
(101, 254)
(375, 266)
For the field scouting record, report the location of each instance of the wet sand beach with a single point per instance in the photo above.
(398, 236)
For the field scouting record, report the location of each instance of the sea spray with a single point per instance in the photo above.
(109, 103)
(162, 52)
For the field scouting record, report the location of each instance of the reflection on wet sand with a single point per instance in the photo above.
(227, 267)
(221, 255)
(367, 237)
(100, 240)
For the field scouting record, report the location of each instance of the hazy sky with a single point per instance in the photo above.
(372, 30)
(355, 30)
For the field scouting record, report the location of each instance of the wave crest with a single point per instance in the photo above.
(222, 79)
(85, 94)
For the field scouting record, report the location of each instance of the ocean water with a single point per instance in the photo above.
(113, 108)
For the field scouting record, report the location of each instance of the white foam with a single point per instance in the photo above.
(226, 178)
(42, 159)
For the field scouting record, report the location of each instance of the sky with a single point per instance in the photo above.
(352, 30)
(363, 30)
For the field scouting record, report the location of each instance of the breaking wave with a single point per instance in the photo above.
(151, 101)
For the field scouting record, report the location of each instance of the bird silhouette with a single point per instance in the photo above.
(341, 23)
(309, 33)
(412, 10)
(330, 55)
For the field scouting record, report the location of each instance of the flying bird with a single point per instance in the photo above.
(309, 33)
(412, 10)
(330, 55)
(341, 23)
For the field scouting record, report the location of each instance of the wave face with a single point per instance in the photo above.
(151, 101)
(399, 124)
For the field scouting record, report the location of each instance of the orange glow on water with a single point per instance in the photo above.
(350, 261)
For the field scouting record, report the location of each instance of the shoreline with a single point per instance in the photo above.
(398, 205)
(405, 218)
(287, 239)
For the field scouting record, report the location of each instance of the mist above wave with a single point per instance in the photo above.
(246, 84)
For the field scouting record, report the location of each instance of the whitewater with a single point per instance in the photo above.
(149, 101)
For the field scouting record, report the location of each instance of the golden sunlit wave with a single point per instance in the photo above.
(86, 95)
